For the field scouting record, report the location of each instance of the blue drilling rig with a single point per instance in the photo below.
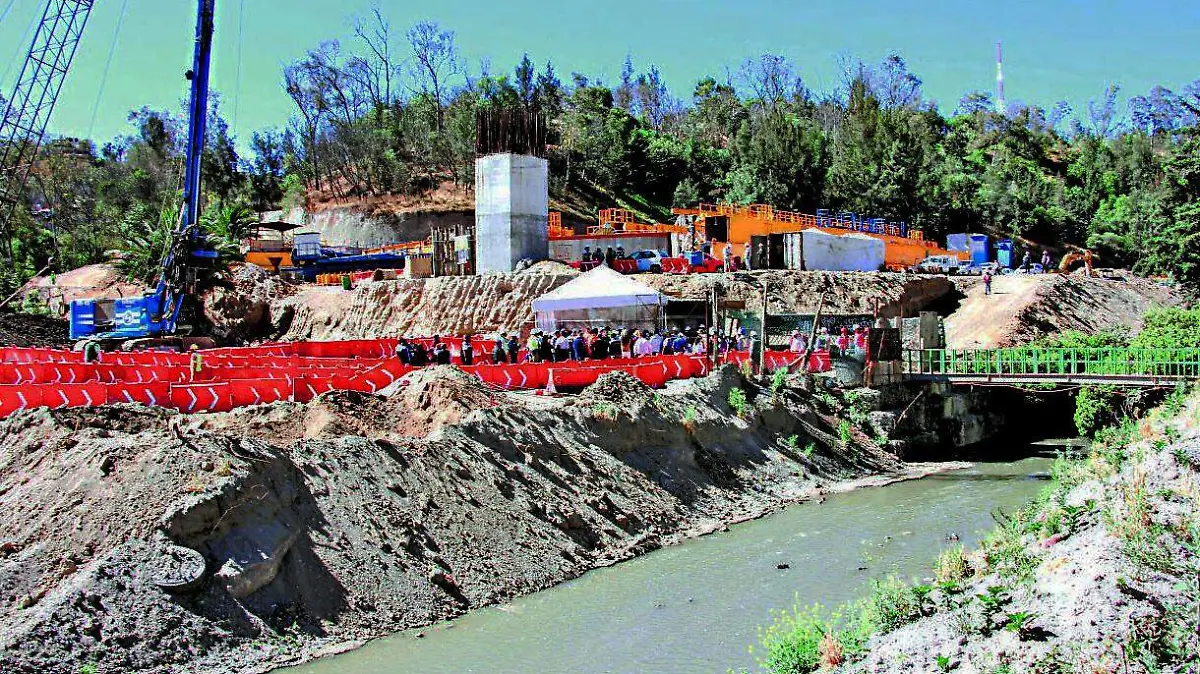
(152, 318)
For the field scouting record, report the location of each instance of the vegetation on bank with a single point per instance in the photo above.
(1101, 406)
(976, 590)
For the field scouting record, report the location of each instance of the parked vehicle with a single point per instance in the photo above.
(939, 264)
(650, 260)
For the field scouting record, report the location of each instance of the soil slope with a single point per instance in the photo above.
(501, 302)
(329, 523)
(1023, 307)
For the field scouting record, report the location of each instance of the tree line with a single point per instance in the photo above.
(387, 111)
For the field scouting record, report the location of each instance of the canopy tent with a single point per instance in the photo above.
(600, 297)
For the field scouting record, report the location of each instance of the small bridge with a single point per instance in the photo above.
(1028, 365)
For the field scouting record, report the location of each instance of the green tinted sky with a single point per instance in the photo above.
(1053, 49)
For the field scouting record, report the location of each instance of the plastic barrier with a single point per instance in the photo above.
(17, 397)
(625, 266)
(305, 388)
(676, 265)
(153, 394)
(74, 395)
(208, 397)
(244, 393)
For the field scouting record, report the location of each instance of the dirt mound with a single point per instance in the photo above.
(1024, 307)
(31, 330)
(96, 280)
(239, 307)
(618, 388)
(550, 267)
(337, 528)
(501, 302)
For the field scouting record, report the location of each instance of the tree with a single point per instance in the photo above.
(623, 96)
(435, 62)
(774, 81)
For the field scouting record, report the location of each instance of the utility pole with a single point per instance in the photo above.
(762, 346)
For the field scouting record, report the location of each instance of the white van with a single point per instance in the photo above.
(939, 264)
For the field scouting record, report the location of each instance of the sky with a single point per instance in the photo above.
(1053, 49)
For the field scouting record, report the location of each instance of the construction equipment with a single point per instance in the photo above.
(1076, 256)
(152, 319)
(33, 97)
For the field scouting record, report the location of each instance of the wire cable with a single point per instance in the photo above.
(237, 80)
(7, 9)
(112, 49)
(21, 53)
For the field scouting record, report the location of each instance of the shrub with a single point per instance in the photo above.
(1095, 408)
(737, 401)
(1169, 328)
(779, 380)
(893, 604)
(952, 565)
(845, 433)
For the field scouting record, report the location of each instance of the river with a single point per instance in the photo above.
(695, 607)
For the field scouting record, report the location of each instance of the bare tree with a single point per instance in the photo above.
(773, 80)
(434, 61)
(377, 70)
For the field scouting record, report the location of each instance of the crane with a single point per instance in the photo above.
(33, 97)
(153, 318)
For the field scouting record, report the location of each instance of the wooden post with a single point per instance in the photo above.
(762, 345)
(812, 335)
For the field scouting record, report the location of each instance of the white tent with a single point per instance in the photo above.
(600, 297)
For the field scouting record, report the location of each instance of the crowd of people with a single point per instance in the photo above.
(602, 343)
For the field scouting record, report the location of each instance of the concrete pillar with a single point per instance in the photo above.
(511, 204)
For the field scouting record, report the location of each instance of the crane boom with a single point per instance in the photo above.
(34, 95)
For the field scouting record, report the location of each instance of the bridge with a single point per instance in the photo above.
(1030, 365)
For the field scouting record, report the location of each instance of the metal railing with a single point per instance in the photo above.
(1099, 362)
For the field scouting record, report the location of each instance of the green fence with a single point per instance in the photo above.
(1114, 362)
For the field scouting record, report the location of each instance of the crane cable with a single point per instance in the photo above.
(22, 47)
(237, 81)
(112, 49)
(7, 9)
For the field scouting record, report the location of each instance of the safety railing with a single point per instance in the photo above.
(1112, 362)
(823, 219)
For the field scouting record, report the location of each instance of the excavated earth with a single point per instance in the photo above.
(1023, 308)
(325, 524)
(501, 302)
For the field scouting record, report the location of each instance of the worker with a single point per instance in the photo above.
(599, 346)
(466, 355)
(747, 251)
(197, 361)
(656, 343)
(987, 281)
(1045, 261)
(609, 256)
(420, 357)
(620, 252)
(498, 351)
(404, 352)
(727, 257)
(578, 346)
(514, 349)
(441, 354)
(587, 254)
(760, 262)
(91, 351)
(597, 255)
(796, 342)
(534, 346)
(1025, 259)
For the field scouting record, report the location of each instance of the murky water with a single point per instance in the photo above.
(696, 607)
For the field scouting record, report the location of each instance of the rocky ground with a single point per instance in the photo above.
(1098, 577)
(354, 516)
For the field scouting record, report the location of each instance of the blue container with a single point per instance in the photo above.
(979, 249)
(1004, 251)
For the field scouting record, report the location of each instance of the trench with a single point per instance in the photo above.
(697, 606)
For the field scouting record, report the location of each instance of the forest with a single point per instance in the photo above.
(392, 111)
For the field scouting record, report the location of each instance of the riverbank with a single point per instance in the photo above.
(327, 524)
(1098, 575)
